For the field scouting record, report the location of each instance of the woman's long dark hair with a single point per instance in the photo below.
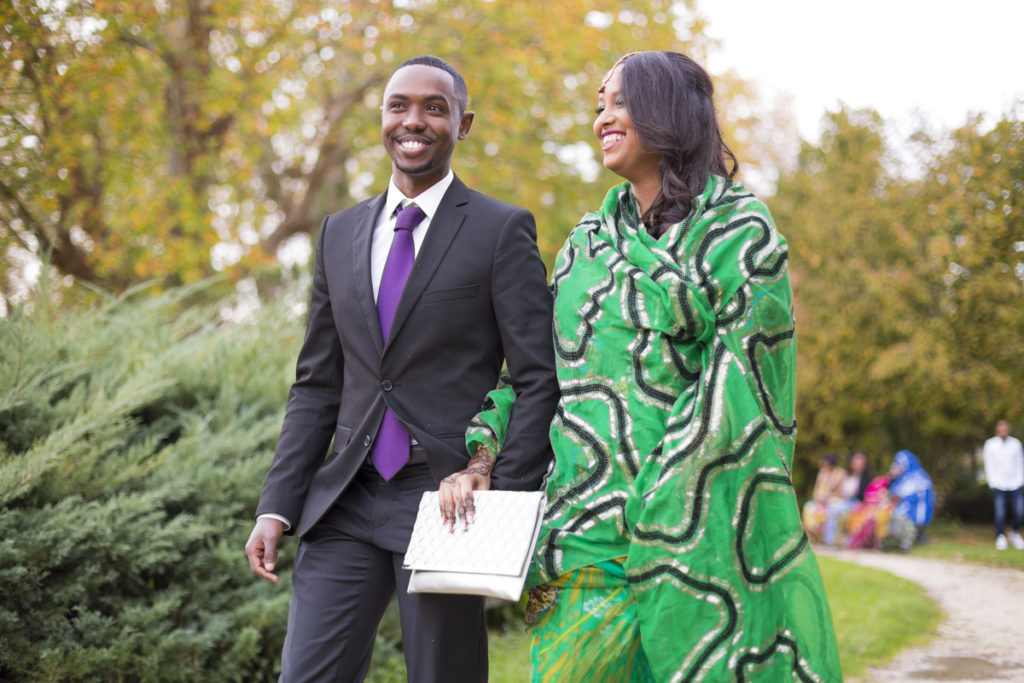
(671, 102)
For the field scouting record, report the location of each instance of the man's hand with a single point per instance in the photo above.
(456, 492)
(261, 548)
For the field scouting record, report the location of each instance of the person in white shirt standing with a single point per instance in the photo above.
(1004, 471)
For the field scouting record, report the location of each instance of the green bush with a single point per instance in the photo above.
(134, 437)
(968, 500)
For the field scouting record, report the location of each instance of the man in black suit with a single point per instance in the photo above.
(475, 298)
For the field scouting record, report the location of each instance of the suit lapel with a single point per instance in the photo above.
(361, 245)
(444, 226)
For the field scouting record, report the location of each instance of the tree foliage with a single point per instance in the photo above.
(134, 436)
(138, 138)
(909, 288)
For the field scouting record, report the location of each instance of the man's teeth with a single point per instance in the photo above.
(411, 145)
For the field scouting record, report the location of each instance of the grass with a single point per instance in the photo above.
(509, 654)
(875, 613)
(959, 542)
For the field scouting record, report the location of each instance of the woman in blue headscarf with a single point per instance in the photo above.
(912, 486)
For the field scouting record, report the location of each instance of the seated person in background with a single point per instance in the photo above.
(868, 523)
(826, 491)
(915, 499)
(851, 493)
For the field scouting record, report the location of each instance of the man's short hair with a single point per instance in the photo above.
(461, 91)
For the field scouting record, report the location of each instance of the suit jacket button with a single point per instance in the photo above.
(367, 441)
(386, 385)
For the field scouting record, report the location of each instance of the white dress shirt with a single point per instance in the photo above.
(384, 235)
(1004, 463)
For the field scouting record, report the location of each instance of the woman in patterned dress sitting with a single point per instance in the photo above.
(825, 494)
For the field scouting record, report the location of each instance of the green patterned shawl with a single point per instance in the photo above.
(674, 438)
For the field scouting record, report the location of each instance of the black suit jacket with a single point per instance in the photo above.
(476, 297)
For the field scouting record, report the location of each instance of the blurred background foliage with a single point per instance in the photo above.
(147, 146)
(908, 276)
(140, 139)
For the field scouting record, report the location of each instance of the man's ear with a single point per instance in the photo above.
(465, 124)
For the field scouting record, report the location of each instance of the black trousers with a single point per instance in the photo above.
(347, 568)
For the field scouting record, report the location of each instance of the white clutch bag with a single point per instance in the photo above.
(490, 558)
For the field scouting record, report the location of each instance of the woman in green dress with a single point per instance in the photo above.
(672, 548)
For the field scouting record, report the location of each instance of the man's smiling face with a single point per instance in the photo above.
(421, 120)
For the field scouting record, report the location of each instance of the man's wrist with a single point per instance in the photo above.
(280, 518)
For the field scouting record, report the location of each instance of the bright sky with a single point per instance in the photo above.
(942, 58)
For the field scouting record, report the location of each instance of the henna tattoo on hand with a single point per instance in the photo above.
(483, 470)
(481, 463)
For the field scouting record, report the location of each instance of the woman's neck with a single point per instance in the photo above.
(646, 191)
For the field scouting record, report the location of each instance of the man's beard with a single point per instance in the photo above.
(415, 170)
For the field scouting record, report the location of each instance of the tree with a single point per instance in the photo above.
(908, 289)
(141, 139)
(973, 197)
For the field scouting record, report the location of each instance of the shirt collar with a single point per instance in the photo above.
(427, 200)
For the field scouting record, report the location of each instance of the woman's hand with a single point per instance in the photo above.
(456, 492)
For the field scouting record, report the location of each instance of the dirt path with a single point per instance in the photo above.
(981, 637)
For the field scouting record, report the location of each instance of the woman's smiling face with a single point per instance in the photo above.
(624, 154)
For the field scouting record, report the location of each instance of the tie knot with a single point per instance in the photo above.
(409, 217)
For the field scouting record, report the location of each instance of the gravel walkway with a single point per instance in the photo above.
(981, 637)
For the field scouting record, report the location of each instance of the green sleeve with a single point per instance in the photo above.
(488, 427)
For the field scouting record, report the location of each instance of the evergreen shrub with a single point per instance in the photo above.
(134, 437)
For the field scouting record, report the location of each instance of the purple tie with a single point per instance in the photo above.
(391, 449)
